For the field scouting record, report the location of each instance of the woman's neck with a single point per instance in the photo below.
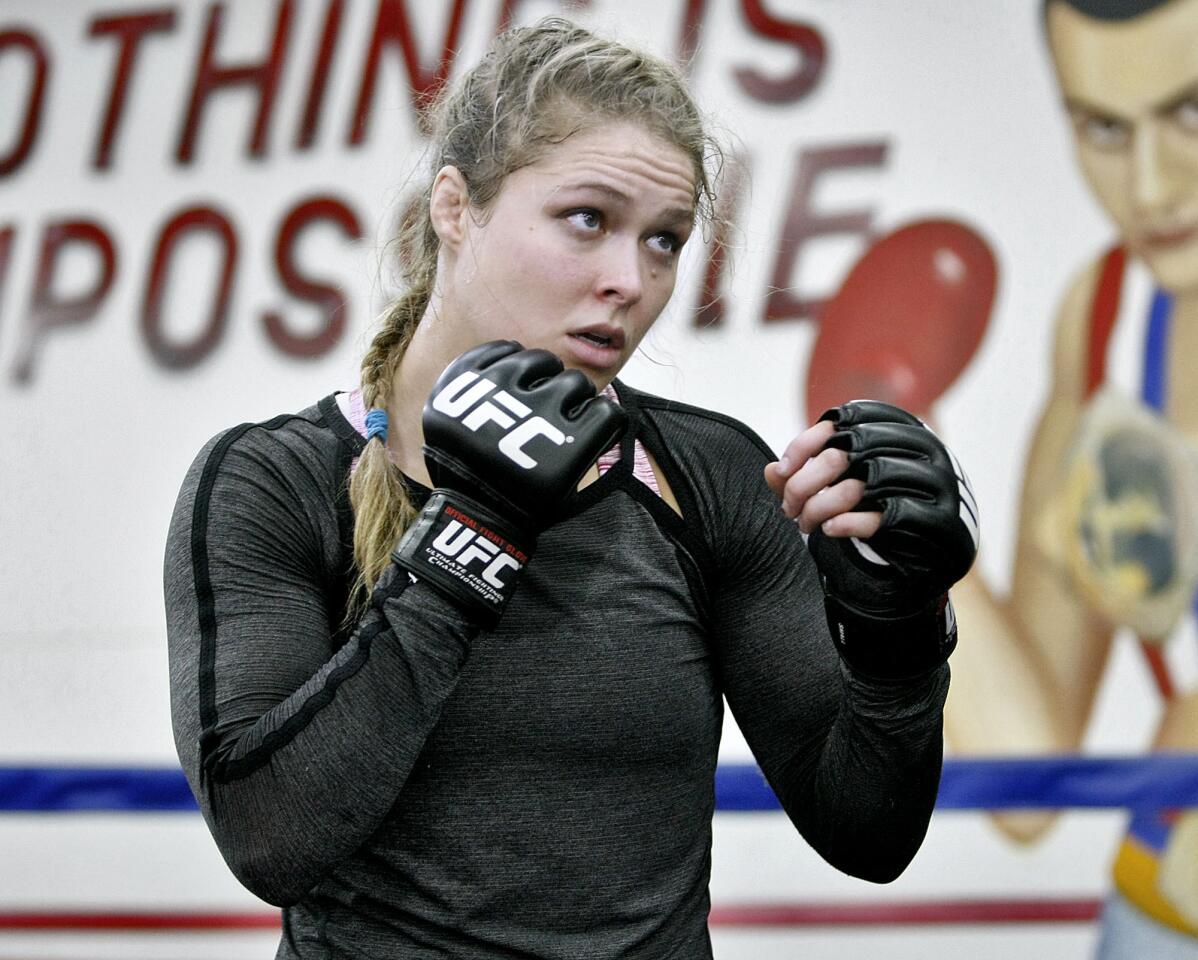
(425, 358)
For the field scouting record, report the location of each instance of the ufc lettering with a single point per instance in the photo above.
(465, 392)
(464, 546)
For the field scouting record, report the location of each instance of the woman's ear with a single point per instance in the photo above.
(449, 205)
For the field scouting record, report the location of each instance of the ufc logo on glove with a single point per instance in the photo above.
(459, 542)
(465, 391)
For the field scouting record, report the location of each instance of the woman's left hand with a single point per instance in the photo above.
(866, 456)
(885, 590)
(804, 479)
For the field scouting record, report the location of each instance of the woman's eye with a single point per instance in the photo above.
(665, 242)
(585, 219)
(1103, 133)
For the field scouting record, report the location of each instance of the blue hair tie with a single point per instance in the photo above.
(376, 425)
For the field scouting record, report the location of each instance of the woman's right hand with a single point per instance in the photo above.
(508, 434)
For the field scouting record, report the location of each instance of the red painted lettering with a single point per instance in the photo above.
(507, 11)
(128, 29)
(392, 28)
(804, 225)
(327, 297)
(320, 75)
(20, 40)
(209, 77)
(174, 354)
(808, 43)
(6, 238)
(49, 309)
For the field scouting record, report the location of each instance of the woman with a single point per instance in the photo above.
(512, 754)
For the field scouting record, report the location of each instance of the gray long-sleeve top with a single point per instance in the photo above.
(409, 785)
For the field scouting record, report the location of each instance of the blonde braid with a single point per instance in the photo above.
(382, 508)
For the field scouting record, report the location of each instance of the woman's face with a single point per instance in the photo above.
(577, 254)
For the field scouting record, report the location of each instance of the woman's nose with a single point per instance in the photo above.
(620, 280)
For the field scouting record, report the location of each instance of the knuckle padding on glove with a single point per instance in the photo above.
(897, 477)
(486, 354)
(869, 411)
(871, 440)
(568, 392)
(534, 366)
(600, 417)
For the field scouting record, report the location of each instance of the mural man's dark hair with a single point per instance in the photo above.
(1111, 9)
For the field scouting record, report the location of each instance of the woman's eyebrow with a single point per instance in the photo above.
(679, 216)
(612, 193)
(674, 215)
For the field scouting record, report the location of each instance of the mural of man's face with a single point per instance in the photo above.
(1131, 88)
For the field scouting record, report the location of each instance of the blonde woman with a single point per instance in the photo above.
(468, 703)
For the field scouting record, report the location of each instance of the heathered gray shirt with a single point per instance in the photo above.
(413, 787)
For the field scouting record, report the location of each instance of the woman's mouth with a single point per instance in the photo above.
(594, 338)
(599, 349)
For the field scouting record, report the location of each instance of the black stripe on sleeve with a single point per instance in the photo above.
(224, 769)
(205, 598)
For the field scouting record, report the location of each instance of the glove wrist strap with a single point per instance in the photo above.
(465, 551)
(892, 648)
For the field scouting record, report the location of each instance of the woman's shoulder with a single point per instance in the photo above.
(312, 444)
(267, 493)
(320, 428)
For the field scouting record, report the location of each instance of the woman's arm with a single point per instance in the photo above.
(854, 762)
(295, 749)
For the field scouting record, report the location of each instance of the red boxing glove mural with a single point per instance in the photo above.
(907, 319)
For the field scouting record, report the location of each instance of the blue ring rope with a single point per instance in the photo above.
(1144, 782)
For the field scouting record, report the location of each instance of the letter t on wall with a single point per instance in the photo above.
(128, 29)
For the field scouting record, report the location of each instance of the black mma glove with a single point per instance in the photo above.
(508, 434)
(887, 599)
